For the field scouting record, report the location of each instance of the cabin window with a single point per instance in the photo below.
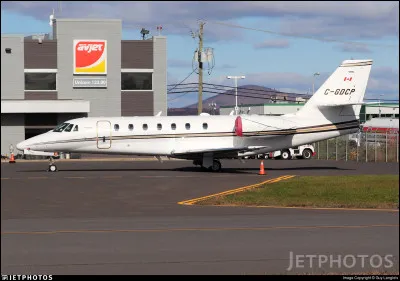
(173, 126)
(69, 128)
(76, 128)
(205, 126)
(159, 126)
(116, 127)
(145, 127)
(187, 126)
(130, 127)
(60, 127)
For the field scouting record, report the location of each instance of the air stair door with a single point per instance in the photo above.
(103, 134)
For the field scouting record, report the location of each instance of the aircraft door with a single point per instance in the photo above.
(103, 134)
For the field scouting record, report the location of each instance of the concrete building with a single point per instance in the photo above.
(84, 69)
(389, 110)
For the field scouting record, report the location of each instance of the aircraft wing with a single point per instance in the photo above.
(217, 153)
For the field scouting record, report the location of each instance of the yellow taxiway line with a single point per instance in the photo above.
(236, 190)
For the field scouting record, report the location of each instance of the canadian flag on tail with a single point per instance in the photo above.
(348, 78)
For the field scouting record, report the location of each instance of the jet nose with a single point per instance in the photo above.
(21, 146)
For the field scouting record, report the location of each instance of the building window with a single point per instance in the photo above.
(205, 126)
(159, 126)
(40, 81)
(130, 127)
(173, 126)
(145, 127)
(116, 127)
(187, 126)
(136, 81)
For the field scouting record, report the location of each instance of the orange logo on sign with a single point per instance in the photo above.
(90, 57)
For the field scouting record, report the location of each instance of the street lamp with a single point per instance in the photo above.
(380, 105)
(315, 74)
(236, 78)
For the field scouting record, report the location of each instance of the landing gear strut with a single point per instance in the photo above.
(214, 167)
(52, 166)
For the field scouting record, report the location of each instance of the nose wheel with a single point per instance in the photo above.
(52, 166)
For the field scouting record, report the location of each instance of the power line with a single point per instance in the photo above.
(243, 89)
(303, 36)
(182, 81)
(244, 93)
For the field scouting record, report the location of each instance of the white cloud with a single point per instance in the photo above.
(349, 48)
(272, 44)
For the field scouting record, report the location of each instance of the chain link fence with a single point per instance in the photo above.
(361, 147)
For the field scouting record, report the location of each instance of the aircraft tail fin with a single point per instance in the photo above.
(345, 87)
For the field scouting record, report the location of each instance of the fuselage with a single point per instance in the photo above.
(171, 135)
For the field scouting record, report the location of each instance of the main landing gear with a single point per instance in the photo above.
(52, 166)
(215, 166)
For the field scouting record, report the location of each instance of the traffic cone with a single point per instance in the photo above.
(12, 160)
(262, 172)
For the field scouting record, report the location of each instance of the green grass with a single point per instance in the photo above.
(361, 191)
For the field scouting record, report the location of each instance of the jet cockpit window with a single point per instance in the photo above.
(76, 128)
(61, 127)
(68, 128)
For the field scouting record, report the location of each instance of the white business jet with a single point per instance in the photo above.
(332, 111)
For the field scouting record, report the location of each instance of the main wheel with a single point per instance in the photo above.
(216, 166)
(307, 154)
(52, 168)
(285, 154)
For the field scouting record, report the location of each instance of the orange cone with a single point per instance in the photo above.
(262, 172)
(12, 160)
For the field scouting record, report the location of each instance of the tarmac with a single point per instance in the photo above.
(123, 217)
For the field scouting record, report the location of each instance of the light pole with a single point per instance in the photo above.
(313, 81)
(380, 105)
(236, 78)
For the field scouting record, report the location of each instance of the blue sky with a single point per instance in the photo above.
(285, 63)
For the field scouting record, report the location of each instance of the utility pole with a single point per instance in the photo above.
(200, 102)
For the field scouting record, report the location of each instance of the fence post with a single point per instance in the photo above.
(397, 147)
(366, 146)
(327, 149)
(336, 147)
(346, 148)
(386, 147)
(375, 147)
(358, 144)
(318, 150)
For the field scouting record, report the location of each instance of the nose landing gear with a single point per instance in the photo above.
(52, 166)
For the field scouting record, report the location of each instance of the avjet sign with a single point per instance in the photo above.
(90, 56)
